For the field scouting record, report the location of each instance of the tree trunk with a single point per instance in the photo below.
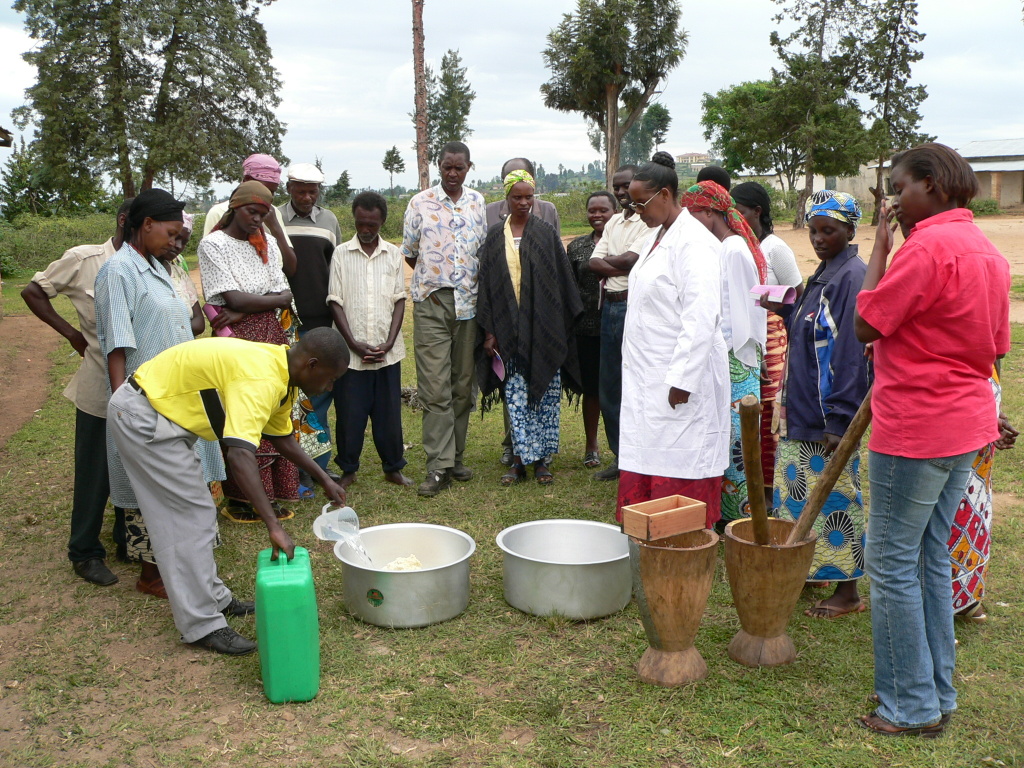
(115, 83)
(805, 193)
(161, 107)
(420, 111)
(612, 133)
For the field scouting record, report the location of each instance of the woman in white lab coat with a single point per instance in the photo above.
(674, 436)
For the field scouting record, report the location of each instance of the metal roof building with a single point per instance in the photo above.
(999, 166)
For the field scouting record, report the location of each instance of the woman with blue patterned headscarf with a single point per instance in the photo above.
(826, 379)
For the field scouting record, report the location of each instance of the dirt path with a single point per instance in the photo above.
(1005, 232)
(25, 347)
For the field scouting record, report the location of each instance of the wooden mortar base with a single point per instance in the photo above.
(766, 582)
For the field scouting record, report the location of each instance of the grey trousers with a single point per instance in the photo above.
(444, 375)
(168, 481)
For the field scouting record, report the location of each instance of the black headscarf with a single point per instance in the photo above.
(155, 204)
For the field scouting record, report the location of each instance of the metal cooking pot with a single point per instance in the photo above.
(407, 598)
(578, 569)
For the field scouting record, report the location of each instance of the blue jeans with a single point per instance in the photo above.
(913, 502)
(609, 384)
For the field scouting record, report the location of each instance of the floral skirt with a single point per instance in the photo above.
(279, 476)
(775, 363)
(970, 540)
(842, 524)
(745, 381)
(534, 428)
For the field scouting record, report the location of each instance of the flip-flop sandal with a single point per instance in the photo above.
(543, 475)
(516, 474)
(876, 724)
(974, 614)
(831, 611)
(240, 514)
(592, 459)
(306, 492)
(283, 513)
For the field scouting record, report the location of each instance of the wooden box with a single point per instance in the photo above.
(662, 518)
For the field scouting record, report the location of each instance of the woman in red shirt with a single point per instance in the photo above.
(939, 318)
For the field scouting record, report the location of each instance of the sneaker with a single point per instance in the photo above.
(437, 480)
(226, 640)
(239, 607)
(461, 472)
(611, 472)
(95, 571)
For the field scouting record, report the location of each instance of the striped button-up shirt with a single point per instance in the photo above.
(137, 308)
(368, 286)
(443, 236)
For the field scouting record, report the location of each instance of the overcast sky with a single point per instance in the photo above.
(347, 91)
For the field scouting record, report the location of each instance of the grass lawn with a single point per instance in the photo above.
(97, 677)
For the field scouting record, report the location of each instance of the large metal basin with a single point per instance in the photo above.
(407, 598)
(578, 569)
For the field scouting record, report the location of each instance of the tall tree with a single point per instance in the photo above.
(607, 60)
(25, 188)
(140, 91)
(449, 99)
(641, 139)
(746, 127)
(420, 95)
(340, 191)
(393, 163)
(820, 57)
(889, 53)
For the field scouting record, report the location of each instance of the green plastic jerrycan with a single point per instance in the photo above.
(287, 627)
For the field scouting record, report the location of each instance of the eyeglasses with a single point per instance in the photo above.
(641, 207)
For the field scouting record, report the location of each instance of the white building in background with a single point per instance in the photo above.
(999, 166)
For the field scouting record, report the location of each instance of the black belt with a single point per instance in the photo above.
(134, 384)
(616, 295)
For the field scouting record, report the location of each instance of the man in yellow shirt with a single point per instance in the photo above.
(230, 390)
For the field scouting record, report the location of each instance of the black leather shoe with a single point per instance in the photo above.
(239, 607)
(507, 456)
(610, 472)
(461, 472)
(437, 480)
(226, 640)
(95, 571)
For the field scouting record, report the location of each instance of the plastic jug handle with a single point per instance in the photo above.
(282, 558)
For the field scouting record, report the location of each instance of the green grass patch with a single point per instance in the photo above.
(97, 676)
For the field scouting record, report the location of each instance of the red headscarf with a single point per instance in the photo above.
(710, 196)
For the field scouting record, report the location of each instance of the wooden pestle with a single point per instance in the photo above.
(750, 440)
(847, 445)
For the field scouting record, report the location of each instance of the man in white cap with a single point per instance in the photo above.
(314, 233)
(267, 171)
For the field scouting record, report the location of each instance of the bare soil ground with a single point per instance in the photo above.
(25, 347)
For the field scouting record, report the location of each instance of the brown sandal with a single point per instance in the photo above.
(542, 474)
(155, 588)
(516, 474)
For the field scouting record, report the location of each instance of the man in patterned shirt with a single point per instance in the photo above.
(444, 227)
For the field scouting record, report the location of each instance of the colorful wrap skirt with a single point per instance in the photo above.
(842, 524)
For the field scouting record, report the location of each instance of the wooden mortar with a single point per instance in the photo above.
(766, 582)
(671, 583)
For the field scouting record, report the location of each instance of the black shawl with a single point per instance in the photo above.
(537, 336)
